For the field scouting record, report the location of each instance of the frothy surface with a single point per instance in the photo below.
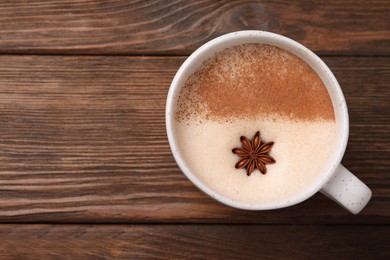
(249, 88)
(300, 150)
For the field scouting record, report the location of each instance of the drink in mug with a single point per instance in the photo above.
(254, 124)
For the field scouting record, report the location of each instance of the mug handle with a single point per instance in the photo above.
(347, 190)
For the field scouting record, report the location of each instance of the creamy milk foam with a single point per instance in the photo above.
(249, 88)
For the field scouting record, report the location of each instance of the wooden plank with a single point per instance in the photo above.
(193, 241)
(82, 139)
(180, 26)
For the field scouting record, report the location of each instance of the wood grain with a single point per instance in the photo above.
(193, 241)
(82, 139)
(178, 27)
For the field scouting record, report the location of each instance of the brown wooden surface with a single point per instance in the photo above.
(82, 137)
(188, 241)
(178, 27)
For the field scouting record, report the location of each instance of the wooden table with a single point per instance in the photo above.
(85, 166)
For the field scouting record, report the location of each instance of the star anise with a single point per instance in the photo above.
(254, 154)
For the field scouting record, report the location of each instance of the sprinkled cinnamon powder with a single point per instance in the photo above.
(254, 80)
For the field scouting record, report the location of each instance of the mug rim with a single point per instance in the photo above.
(334, 90)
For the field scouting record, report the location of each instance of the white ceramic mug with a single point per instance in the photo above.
(336, 182)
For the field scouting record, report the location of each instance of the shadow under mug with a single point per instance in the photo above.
(336, 182)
